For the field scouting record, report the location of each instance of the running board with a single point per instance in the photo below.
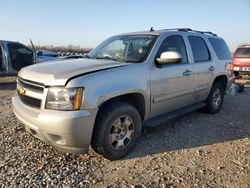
(159, 120)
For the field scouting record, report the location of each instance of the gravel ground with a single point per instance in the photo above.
(195, 150)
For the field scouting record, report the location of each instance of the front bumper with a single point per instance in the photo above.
(68, 131)
(242, 68)
(242, 75)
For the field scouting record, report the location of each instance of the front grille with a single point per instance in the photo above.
(30, 101)
(25, 87)
(31, 85)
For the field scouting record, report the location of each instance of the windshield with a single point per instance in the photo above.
(129, 48)
(242, 52)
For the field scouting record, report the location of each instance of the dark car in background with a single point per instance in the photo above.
(14, 56)
(241, 65)
(45, 55)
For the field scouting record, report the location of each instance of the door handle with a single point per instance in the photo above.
(187, 72)
(211, 68)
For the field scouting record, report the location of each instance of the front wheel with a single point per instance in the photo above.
(215, 98)
(117, 126)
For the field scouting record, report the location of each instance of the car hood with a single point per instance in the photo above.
(58, 72)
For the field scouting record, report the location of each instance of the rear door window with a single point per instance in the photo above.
(199, 49)
(220, 47)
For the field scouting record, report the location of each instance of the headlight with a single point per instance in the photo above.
(64, 98)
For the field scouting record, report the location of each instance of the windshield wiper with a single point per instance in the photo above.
(132, 61)
(110, 58)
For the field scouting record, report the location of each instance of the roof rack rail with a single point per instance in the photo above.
(209, 32)
(184, 29)
(205, 32)
(176, 29)
(190, 30)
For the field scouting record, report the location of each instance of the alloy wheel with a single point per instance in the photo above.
(121, 132)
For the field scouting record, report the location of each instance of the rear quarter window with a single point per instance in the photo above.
(220, 47)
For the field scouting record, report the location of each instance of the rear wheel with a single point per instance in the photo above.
(118, 124)
(215, 98)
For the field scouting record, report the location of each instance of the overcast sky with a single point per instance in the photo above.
(87, 23)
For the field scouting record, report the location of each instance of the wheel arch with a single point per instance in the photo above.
(135, 99)
(222, 79)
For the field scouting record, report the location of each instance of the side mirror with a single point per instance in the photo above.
(169, 57)
(39, 53)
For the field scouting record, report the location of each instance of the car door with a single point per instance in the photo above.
(20, 55)
(171, 84)
(1, 58)
(203, 69)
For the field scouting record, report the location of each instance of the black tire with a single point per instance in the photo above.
(241, 88)
(106, 126)
(213, 106)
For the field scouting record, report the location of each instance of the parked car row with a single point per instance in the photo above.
(44, 55)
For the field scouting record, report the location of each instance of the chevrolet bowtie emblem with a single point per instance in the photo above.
(21, 90)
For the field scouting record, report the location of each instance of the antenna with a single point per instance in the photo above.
(152, 29)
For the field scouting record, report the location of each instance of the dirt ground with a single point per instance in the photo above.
(195, 150)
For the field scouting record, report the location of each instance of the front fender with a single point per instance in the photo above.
(104, 85)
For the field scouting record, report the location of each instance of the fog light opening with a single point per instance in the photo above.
(57, 139)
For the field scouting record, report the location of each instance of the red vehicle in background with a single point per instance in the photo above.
(241, 66)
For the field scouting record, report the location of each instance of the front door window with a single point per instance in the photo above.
(20, 55)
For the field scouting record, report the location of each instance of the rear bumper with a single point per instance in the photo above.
(68, 131)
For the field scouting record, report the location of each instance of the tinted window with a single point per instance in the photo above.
(220, 48)
(199, 49)
(174, 43)
(20, 55)
(242, 52)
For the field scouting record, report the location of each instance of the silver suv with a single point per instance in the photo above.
(127, 82)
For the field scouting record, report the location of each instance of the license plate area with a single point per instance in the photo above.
(245, 68)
